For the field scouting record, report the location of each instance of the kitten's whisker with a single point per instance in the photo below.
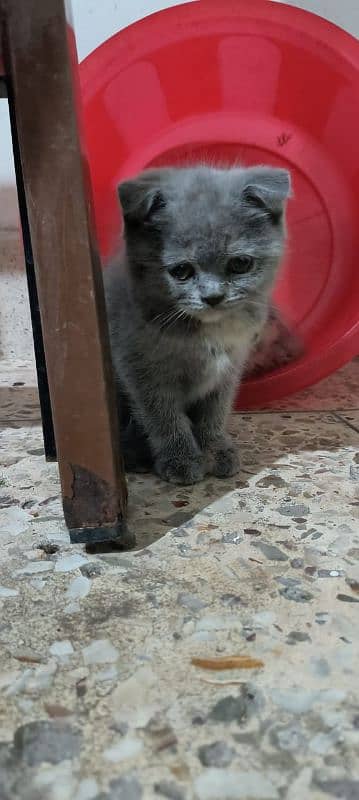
(154, 319)
(160, 316)
(257, 304)
(247, 301)
(176, 318)
(163, 316)
(171, 317)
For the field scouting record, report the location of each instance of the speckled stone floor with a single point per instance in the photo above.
(218, 660)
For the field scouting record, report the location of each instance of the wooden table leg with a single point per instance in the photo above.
(41, 69)
(42, 380)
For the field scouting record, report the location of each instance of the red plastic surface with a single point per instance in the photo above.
(253, 81)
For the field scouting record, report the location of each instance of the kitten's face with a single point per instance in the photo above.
(204, 242)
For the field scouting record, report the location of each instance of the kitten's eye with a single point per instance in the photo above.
(183, 271)
(239, 265)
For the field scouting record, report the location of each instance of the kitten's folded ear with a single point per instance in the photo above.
(141, 197)
(267, 188)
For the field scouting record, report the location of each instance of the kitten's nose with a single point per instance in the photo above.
(213, 299)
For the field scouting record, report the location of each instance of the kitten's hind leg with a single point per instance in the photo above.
(134, 443)
(277, 345)
(135, 448)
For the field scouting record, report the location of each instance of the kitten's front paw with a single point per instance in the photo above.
(224, 460)
(180, 472)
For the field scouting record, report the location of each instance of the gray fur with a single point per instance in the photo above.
(178, 359)
(278, 345)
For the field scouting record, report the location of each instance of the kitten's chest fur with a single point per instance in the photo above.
(213, 357)
(208, 367)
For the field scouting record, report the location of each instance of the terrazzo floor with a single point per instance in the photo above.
(218, 660)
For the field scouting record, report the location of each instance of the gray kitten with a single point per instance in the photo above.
(185, 303)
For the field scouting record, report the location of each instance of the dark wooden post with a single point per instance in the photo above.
(41, 73)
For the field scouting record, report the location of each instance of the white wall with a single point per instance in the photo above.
(95, 21)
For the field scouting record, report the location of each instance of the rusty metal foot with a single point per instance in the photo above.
(118, 535)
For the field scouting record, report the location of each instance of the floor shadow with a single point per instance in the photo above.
(265, 442)
(309, 444)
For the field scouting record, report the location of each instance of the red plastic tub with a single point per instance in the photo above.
(256, 82)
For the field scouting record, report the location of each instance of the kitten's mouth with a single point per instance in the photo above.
(212, 316)
(209, 315)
